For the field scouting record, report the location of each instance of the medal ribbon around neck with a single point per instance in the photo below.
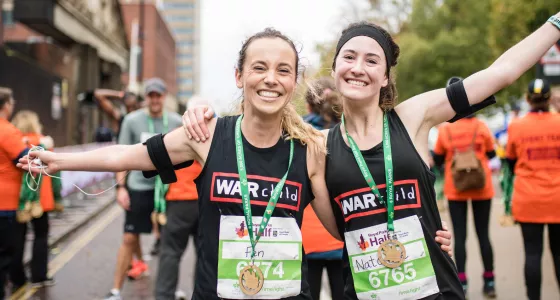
(388, 161)
(160, 189)
(245, 189)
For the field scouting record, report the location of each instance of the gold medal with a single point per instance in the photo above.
(162, 219)
(36, 210)
(27, 206)
(251, 280)
(58, 207)
(507, 220)
(154, 217)
(391, 253)
(23, 216)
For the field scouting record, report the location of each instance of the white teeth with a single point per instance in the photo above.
(355, 82)
(268, 94)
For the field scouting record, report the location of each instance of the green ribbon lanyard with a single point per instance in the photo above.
(160, 188)
(245, 189)
(390, 204)
(507, 178)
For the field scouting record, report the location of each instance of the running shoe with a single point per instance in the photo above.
(139, 268)
(155, 248)
(489, 289)
(180, 295)
(113, 295)
(44, 283)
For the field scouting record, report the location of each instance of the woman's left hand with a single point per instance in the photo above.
(444, 238)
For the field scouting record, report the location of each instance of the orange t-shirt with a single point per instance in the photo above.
(315, 237)
(46, 195)
(534, 141)
(462, 133)
(11, 145)
(184, 188)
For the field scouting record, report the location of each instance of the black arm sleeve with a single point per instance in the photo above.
(20, 155)
(457, 97)
(161, 160)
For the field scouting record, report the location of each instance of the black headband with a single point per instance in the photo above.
(371, 32)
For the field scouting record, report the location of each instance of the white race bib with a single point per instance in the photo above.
(414, 279)
(278, 255)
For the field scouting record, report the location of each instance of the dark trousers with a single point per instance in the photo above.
(481, 213)
(315, 274)
(7, 225)
(182, 221)
(40, 258)
(533, 241)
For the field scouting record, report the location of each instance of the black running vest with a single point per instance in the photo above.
(414, 192)
(217, 197)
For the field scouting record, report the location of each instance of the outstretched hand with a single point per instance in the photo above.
(195, 120)
(39, 162)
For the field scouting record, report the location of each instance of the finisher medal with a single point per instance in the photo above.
(391, 253)
(251, 280)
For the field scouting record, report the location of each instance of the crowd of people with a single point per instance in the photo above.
(359, 158)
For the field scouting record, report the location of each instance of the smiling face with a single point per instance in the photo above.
(268, 75)
(155, 102)
(361, 69)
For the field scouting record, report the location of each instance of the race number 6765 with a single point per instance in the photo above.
(399, 274)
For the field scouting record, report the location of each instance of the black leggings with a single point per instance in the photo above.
(315, 274)
(40, 258)
(481, 213)
(533, 241)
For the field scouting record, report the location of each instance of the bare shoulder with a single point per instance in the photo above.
(316, 155)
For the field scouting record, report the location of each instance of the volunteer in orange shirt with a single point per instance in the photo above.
(11, 149)
(28, 123)
(533, 151)
(322, 250)
(459, 136)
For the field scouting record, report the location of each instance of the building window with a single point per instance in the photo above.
(185, 81)
(178, 18)
(185, 68)
(186, 94)
(182, 30)
(179, 5)
(185, 43)
(185, 56)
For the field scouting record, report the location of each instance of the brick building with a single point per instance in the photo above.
(159, 47)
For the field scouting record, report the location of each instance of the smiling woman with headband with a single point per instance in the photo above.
(377, 174)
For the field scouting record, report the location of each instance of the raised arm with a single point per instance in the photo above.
(102, 97)
(432, 108)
